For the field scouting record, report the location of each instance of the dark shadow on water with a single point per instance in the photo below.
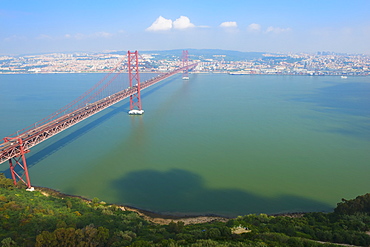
(351, 99)
(346, 98)
(34, 158)
(180, 192)
(359, 129)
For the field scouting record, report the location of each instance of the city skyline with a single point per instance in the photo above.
(29, 27)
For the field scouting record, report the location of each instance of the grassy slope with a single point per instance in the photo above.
(37, 219)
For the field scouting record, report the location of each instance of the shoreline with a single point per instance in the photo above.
(192, 72)
(159, 218)
(153, 217)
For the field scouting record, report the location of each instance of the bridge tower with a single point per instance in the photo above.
(185, 62)
(134, 79)
(19, 163)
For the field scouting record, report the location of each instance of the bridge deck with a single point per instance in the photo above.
(11, 148)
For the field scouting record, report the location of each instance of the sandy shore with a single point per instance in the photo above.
(163, 219)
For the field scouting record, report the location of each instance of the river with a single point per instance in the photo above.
(215, 144)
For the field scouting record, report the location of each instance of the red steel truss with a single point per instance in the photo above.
(13, 149)
(185, 64)
(134, 77)
(19, 160)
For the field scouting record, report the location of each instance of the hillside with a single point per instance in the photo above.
(47, 218)
(203, 54)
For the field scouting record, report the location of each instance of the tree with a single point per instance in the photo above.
(6, 182)
(8, 242)
(213, 233)
(176, 227)
(46, 239)
(357, 205)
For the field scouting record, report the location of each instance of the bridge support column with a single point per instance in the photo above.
(134, 79)
(185, 63)
(19, 160)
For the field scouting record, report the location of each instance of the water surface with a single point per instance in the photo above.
(216, 144)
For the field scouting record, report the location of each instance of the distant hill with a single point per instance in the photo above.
(228, 55)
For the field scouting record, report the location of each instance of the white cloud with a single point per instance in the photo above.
(229, 24)
(15, 38)
(254, 27)
(161, 24)
(102, 35)
(44, 37)
(203, 26)
(182, 23)
(81, 36)
(277, 30)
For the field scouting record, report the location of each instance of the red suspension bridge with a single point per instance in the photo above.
(101, 96)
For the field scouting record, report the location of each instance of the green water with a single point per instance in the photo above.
(216, 144)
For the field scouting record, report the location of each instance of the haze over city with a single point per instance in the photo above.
(29, 27)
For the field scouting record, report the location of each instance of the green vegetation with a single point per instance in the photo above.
(36, 219)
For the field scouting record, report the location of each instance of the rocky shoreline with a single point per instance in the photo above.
(158, 218)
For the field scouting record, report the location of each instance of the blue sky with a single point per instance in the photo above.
(28, 27)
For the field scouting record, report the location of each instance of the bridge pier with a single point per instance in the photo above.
(19, 160)
(134, 79)
(185, 63)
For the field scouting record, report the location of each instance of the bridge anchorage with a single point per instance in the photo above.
(101, 96)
